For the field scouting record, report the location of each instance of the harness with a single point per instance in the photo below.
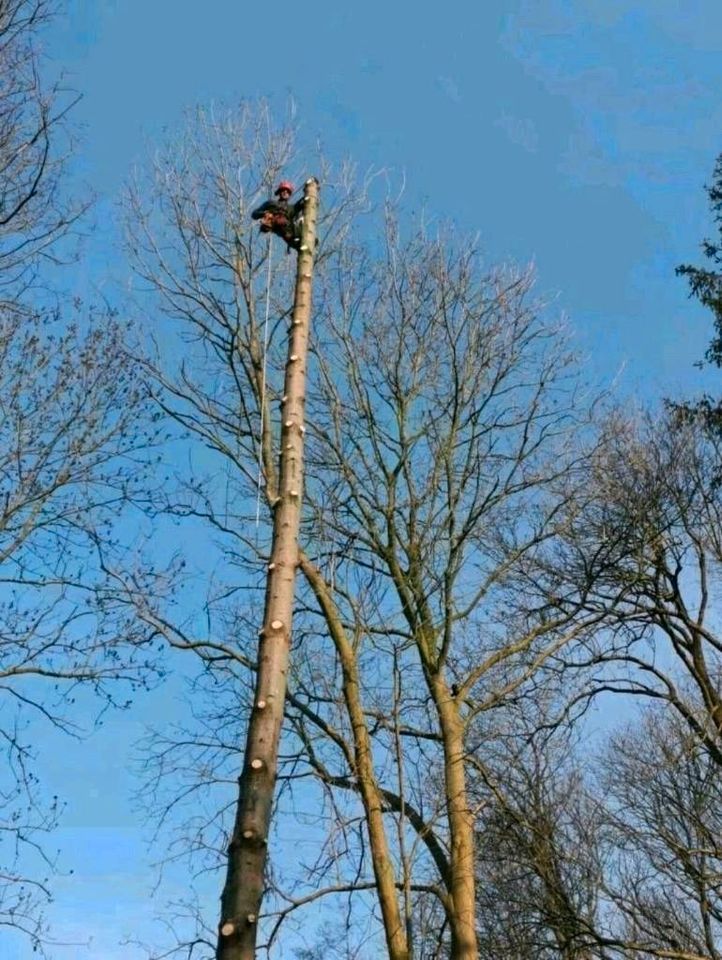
(277, 220)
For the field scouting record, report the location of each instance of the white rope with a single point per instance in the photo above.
(263, 381)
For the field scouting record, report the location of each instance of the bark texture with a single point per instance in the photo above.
(461, 829)
(244, 886)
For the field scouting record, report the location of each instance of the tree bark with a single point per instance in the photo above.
(462, 888)
(244, 886)
(372, 798)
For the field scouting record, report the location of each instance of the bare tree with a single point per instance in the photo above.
(650, 538)
(448, 448)
(190, 236)
(74, 444)
(73, 452)
(613, 855)
(446, 438)
(664, 874)
(644, 553)
(34, 144)
(540, 836)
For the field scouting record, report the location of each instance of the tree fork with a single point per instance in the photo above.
(247, 851)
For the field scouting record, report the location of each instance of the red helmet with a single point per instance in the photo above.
(284, 185)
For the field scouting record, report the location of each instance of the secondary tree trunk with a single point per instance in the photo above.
(243, 890)
(381, 860)
(461, 828)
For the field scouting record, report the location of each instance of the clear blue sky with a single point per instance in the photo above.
(577, 133)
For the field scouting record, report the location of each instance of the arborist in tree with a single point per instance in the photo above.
(281, 217)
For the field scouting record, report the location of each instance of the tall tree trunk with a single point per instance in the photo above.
(243, 890)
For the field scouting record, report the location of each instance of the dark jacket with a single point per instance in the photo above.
(282, 218)
(278, 208)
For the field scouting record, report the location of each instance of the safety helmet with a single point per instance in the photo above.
(284, 185)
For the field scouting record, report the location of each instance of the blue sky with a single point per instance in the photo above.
(578, 134)
(575, 133)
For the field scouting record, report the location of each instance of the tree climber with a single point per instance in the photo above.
(281, 217)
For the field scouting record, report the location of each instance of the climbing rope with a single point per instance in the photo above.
(263, 382)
